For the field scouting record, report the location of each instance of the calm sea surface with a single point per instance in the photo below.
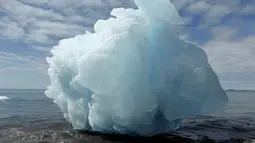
(28, 116)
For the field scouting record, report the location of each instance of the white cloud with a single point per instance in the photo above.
(42, 49)
(233, 4)
(249, 9)
(198, 7)
(218, 11)
(180, 4)
(215, 13)
(11, 61)
(10, 29)
(212, 12)
(58, 29)
(17, 8)
(223, 33)
(38, 21)
(230, 56)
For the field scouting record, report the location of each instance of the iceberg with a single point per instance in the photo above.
(4, 98)
(133, 75)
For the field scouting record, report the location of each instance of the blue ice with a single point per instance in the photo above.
(133, 75)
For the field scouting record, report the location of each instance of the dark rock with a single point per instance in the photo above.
(233, 141)
(116, 138)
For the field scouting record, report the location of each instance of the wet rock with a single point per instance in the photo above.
(233, 141)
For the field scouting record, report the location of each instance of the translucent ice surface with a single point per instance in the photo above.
(133, 75)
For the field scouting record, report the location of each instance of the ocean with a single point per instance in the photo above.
(29, 116)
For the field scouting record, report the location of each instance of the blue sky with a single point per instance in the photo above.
(29, 28)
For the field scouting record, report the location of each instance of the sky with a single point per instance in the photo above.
(225, 29)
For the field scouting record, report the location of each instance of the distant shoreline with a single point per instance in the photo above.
(240, 90)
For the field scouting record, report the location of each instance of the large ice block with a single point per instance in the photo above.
(133, 75)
